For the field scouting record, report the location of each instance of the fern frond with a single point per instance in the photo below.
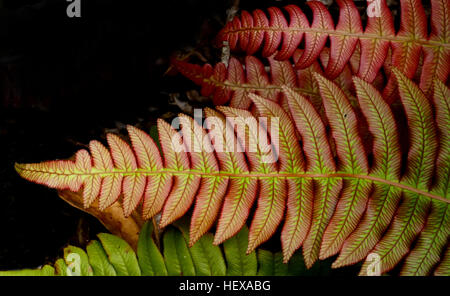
(231, 85)
(330, 205)
(276, 35)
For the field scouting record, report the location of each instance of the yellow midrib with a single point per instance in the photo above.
(393, 38)
(286, 175)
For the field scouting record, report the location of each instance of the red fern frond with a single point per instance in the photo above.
(330, 205)
(276, 35)
(231, 85)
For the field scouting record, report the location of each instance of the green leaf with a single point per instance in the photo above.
(47, 270)
(238, 262)
(272, 264)
(207, 258)
(61, 267)
(77, 261)
(99, 260)
(266, 263)
(150, 259)
(296, 265)
(120, 254)
(177, 255)
(280, 269)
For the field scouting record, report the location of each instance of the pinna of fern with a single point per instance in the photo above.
(345, 206)
(230, 85)
(378, 40)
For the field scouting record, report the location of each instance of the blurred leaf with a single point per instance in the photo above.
(150, 259)
(238, 262)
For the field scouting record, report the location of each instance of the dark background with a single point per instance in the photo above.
(65, 81)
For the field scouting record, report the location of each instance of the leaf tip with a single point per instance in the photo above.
(19, 167)
(251, 247)
(401, 78)
(319, 77)
(357, 80)
(287, 254)
(218, 239)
